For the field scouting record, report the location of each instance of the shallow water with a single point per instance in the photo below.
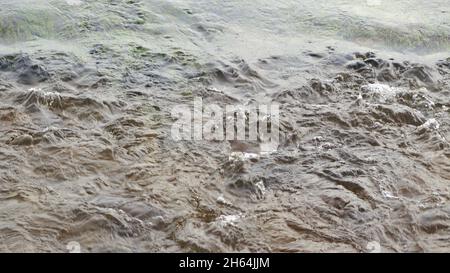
(86, 154)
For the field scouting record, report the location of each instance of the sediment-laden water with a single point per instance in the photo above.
(86, 153)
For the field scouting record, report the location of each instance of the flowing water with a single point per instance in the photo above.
(86, 153)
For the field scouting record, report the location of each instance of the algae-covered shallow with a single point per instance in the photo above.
(87, 90)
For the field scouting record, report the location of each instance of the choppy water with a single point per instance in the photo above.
(86, 90)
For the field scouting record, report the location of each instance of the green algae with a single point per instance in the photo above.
(26, 26)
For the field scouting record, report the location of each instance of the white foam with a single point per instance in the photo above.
(48, 97)
(431, 124)
(383, 90)
(234, 156)
(228, 220)
(222, 200)
(388, 194)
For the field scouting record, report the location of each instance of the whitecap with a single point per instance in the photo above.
(228, 220)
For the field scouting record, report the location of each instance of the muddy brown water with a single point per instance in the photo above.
(86, 153)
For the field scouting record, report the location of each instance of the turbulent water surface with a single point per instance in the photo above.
(86, 153)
